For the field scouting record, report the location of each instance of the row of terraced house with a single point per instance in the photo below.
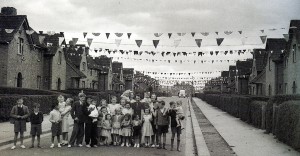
(272, 71)
(40, 60)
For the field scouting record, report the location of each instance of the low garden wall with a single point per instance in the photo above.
(279, 114)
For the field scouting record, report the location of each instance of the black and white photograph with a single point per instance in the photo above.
(150, 77)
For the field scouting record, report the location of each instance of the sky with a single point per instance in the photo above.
(144, 18)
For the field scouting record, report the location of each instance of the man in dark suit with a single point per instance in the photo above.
(77, 113)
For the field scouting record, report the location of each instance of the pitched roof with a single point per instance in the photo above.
(295, 25)
(12, 22)
(244, 67)
(92, 64)
(105, 61)
(128, 71)
(117, 67)
(260, 59)
(76, 70)
(73, 55)
(225, 74)
(232, 71)
(276, 45)
(116, 80)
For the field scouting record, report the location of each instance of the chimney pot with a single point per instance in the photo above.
(9, 11)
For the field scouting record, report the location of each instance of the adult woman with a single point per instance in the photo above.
(19, 115)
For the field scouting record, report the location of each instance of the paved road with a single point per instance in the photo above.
(109, 151)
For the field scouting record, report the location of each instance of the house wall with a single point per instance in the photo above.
(29, 67)
(292, 70)
(3, 64)
(58, 71)
(242, 87)
(128, 85)
(71, 77)
(103, 82)
(47, 72)
(270, 77)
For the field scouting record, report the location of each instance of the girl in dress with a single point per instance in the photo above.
(147, 127)
(55, 119)
(116, 126)
(123, 103)
(65, 120)
(127, 109)
(113, 105)
(126, 130)
(106, 129)
(136, 123)
(61, 103)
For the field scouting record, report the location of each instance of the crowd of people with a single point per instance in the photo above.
(131, 122)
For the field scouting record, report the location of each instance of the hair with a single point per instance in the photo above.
(155, 101)
(147, 108)
(102, 100)
(123, 99)
(103, 108)
(137, 95)
(60, 97)
(81, 95)
(20, 99)
(36, 105)
(113, 97)
(172, 103)
(127, 115)
(162, 102)
(71, 101)
(135, 116)
(107, 116)
(179, 102)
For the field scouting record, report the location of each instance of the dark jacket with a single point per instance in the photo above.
(14, 112)
(79, 111)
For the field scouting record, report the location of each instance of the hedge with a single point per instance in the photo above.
(7, 102)
(279, 114)
(25, 91)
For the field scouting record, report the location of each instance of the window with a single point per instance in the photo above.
(294, 87)
(39, 56)
(21, 46)
(83, 66)
(38, 82)
(91, 72)
(270, 90)
(59, 57)
(91, 85)
(19, 80)
(294, 53)
(83, 84)
(286, 61)
(285, 88)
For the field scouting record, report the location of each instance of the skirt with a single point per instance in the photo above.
(56, 129)
(117, 131)
(105, 132)
(20, 126)
(65, 124)
(126, 132)
(147, 129)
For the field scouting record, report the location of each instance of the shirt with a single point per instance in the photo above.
(112, 108)
(36, 118)
(55, 116)
(172, 114)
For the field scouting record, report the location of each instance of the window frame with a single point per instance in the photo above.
(83, 66)
(59, 57)
(294, 53)
(20, 46)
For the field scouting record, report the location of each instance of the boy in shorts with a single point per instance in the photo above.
(36, 119)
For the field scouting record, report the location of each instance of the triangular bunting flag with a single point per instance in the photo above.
(157, 34)
(96, 34)
(29, 32)
(128, 34)
(84, 34)
(60, 40)
(155, 43)
(240, 32)
(119, 34)
(139, 43)
(205, 33)
(9, 30)
(217, 33)
(193, 33)
(262, 31)
(74, 40)
(286, 37)
(227, 32)
(169, 34)
(89, 41)
(263, 39)
(41, 39)
(198, 42)
(107, 35)
(118, 42)
(181, 34)
(219, 41)
(176, 43)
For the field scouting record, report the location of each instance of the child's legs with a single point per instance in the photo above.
(16, 138)
(21, 137)
(164, 138)
(173, 136)
(32, 139)
(52, 139)
(38, 139)
(58, 138)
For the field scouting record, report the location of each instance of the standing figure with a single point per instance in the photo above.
(65, 120)
(126, 130)
(106, 129)
(55, 119)
(36, 119)
(147, 130)
(19, 115)
(162, 118)
(176, 130)
(116, 126)
(137, 126)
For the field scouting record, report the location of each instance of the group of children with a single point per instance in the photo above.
(116, 124)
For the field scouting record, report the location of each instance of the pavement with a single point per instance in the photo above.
(7, 134)
(244, 139)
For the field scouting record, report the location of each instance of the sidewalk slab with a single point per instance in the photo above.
(7, 130)
(244, 139)
(202, 149)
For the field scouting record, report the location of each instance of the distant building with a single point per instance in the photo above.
(106, 75)
(243, 71)
(231, 79)
(118, 77)
(128, 74)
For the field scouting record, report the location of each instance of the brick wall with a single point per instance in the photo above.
(3, 64)
(58, 71)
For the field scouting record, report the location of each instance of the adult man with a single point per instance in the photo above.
(87, 122)
(138, 107)
(77, 113)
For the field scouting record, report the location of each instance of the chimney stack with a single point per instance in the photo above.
(9, 11)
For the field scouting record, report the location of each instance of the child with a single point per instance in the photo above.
(103, 103)
(127, 109)
(61, 103)
(123, 103)
(174, 126)
(19, 114)
(55, 119)
(147, 127)
(136, 123)
(106, 129)
(126, 130)
(116, 126)
(36, 119)
(113, 106)
(162, 118)
(94, 113)
(65, 120)
(99, 128)
(179, 113)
